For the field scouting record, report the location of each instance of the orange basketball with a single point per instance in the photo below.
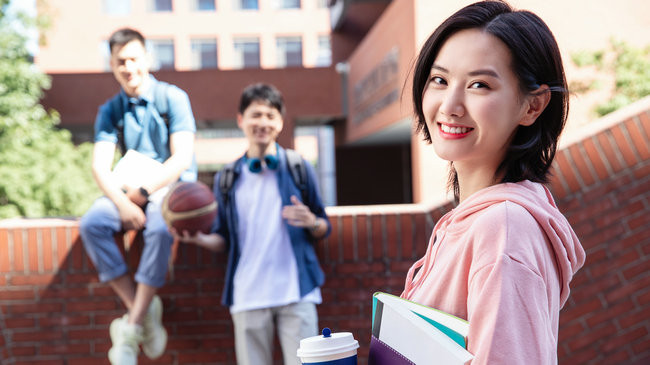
(189, 206)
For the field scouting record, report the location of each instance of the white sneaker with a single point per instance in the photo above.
(126, 338)
(155, 335)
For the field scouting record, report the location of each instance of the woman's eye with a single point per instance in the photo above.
(438, 80)
(479, 85)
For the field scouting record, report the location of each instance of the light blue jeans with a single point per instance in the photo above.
(98, 228)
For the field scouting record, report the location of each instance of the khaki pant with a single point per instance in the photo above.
(254, 331)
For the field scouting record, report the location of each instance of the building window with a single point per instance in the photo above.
(324, 56)
(287, 4)
(162, 51)
(247, 53)
(289, 51)
(204, 5)
(161, 5)
(246, 5)
(204, 53)
(116, 7)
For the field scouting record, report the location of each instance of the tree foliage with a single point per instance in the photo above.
(631, 69)
(42, 173)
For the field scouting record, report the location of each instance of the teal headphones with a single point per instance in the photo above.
(255, 164)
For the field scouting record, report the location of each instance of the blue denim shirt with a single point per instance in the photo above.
(144, 129)
(310, 274)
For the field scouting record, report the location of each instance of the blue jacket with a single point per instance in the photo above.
(310, 274)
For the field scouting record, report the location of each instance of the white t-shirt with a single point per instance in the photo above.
(267, 273)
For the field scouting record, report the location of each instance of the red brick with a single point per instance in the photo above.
(631, 287)
(592, 337)
(582, 309)
(32, 250)
(37, 336)
(611, 153)
(62, 320)
(585, 356)
(557, 184)
(349, 238)
(201, 358)
(97, 333)
(362, 237)
(619, 357)
(566, 170)
(640, 348)
(569, 331)
(48, 250)
(641, 142)
(421, 235)
(5, 262)
(66, 292)
(624, 145)
(377, 237)
(19, 254)
(642, 220)
(582, 165)
(61, 249)
(602, 235)
(595, 157)
(644, 118)
(39, 362)
(35, 279)
(88, 306)
(391, 235)
(66, 349)
(634, 318)
(17, 294)
(595, 287)
(22, 351)
(637, 269)
(615, 215)
(612, 312)
(19, 322)
(593, 209)
(334, 241)
(360, 268)
(406, 226)
(34, 307)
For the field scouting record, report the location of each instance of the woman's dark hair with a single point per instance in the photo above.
(536, 61)
(123, 36)
(264, 93)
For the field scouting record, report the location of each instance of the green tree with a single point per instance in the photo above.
(630, 67)
(42, 173)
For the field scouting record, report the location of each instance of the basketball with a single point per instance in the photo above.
(189, 206)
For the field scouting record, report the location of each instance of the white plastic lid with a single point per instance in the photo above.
(327, 345)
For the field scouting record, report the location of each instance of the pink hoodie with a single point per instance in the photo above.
(503, 260)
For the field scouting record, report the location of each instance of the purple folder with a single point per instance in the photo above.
(382, 354)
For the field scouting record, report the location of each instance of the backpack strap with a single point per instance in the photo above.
(226, 180)
(117, 115)
(298, 172)
(161, 101)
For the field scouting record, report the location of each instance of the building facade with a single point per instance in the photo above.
(352, 116)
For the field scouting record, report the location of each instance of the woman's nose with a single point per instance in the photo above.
(453, 103)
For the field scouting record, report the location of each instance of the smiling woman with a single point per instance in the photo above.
(489, 93)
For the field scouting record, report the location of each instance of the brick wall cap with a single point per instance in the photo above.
(38, 222)
(571, 137)
(382, 209)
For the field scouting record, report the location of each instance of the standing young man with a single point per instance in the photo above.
(269, 226)
(133, 119)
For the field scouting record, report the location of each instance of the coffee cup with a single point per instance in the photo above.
(329, 349)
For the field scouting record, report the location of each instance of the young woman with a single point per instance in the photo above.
(490, 94)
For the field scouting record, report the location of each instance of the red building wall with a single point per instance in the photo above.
(53, 310)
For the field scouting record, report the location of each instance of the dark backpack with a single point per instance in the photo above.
(296, 167)
(160, 102)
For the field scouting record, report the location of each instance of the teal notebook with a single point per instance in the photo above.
(452, 326)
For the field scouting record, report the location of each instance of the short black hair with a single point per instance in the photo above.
(260, 92)
(123, 36)
(536, 61)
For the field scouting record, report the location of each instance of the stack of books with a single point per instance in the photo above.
(405, 332)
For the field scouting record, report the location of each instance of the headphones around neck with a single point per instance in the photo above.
(255, 164)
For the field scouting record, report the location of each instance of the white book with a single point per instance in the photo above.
(413, 336)
(135, 169)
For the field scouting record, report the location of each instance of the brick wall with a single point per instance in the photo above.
(53, 310)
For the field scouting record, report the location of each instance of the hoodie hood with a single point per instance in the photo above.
(538, 201)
